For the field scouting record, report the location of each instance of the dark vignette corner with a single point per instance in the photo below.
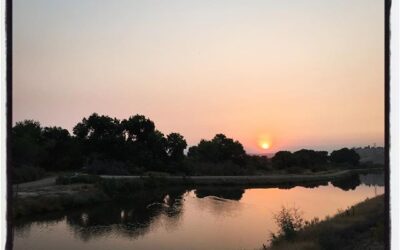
(8, 15)
(388, 4)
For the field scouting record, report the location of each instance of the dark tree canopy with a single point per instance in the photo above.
(348, 183)
(176, 144)
(63, 151)
(304, 158)
(138, 128)
(104, 145)
(283, 159)
(308, 158)
(345, 155)
(97, 127)
(34, 148)
(101, 136)
(27, 143)
(134, 141)
(219, 149)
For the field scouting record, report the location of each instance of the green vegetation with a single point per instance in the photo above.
(102, 145)
(289, 221)
(358, 227)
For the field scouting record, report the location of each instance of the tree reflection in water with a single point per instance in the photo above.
(347, 183)
(139, 213)
(228, 193)
(131, 218)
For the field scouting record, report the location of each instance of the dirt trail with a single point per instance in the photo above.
(49, 181)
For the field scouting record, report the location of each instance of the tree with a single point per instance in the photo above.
(176, 144)
(145, 146)
(63, 151)
(138, 128)
(283, 159)
(219, 149)
(348, 183)
(97, 127)
(345, 155)
(310, 158)
(289, 221)
(27, 143)
(101, 136)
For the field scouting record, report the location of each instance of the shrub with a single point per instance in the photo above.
(26, 173)
(118, 188)
(345, 155)
(106, 167)
(71, 179)
(289, 221)
(208, 168)
(295, 170)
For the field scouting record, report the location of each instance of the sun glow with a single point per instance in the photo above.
(265, 145)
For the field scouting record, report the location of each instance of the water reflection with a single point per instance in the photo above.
(144, 213)
(347, 183)
(131, 218)
(373, 179)
(223, 192)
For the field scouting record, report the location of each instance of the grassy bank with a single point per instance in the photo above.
(56, 198)
(74, 191)
(359, 227)
(271, 179)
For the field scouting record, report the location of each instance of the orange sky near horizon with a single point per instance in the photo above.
(293, 74)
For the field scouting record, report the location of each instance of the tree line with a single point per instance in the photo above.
(100, 144)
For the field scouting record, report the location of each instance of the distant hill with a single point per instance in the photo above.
(371, 154)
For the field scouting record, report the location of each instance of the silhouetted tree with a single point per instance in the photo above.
(63, 151)
(345, 155)
(219, 149)
(101, 136)
(176, 144)
(306, 158)
(27, 144)
(258, 162)
(224, 193)
(138, 128)
(348, 183)
(283, 159)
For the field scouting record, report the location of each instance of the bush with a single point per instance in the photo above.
(117, 188)
(208, 168)
(295, 170)
(26, 173)
(71, 179)
(289, 221)
(106, 167)
(345, 155)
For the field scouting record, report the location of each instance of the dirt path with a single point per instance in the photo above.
(35, 184)
(237, 180)
(253, 179)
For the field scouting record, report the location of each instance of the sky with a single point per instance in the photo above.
(290, 74)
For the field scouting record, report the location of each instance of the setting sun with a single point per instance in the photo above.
(265, 145)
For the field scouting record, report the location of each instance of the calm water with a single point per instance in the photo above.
(205, 218)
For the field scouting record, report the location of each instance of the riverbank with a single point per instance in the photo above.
(56, 198)
(248, 180)
(74, 191)
(359, 227)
